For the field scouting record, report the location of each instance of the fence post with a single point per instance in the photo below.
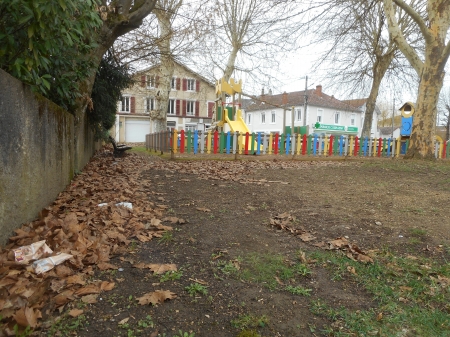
(246, 143)
(258, 144)
(309, 142)
(276, 143)
(288, 139)
(202, 142)
(216, 141)
(265, 145)
(195, 141)
(293, 136)
(252, 147)
(269, 151)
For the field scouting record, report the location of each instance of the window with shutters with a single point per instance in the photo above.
(273, 117)
(171, 110)
(352, 119)
(125, 106)
(190, 108)
(190, 84)
(173, 83)
(151, 81)
(263, 118)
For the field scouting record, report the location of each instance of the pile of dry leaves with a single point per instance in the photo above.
(285, 221)
(238, 171)
(93, 219)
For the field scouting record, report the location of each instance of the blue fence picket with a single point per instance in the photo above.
(288, 138)
(195, 141)
(315, 145)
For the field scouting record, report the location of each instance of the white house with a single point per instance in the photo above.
(191, 103)
(325, 114)
(361, 104)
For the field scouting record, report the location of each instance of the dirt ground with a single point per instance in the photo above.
(227, 207)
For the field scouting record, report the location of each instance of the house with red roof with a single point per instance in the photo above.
(320, 113)
(190, 106)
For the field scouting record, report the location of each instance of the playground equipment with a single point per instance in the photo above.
(229, 115)
(407, 110)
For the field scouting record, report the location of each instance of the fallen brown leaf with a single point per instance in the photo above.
(156, 297)
(75, 312)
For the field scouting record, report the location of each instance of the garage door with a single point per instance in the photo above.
(136, 129)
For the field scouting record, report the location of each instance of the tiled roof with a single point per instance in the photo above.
(297, 98)
(145, 70)
(357, 103)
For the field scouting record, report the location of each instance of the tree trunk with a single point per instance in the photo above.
(421, 144)
(431, 71)
(159, 116)
(230, 64)
(447, 130)
(379, 69)
(117, 21)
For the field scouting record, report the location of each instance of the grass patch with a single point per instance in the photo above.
(299, 290)
(196, 289)
(138, 149)
(171, 276)
(411, 296)
(166, 237)
(249, 321)
(67, 325)
(272, 271)
(248, 333)
(417, 232)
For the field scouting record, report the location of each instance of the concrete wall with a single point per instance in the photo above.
(41, 146)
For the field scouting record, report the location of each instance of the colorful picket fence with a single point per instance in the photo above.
(196, 142)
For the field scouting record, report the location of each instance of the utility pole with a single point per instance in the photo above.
(306, 101)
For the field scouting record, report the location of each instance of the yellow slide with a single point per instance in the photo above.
(239, 126)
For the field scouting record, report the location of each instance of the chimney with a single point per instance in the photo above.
(284, 98)
(270, 91)
(262, 92)
(319, 90)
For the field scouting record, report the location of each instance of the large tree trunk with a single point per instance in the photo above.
(379, 69)
(164, 15)
(422, 139)
(433, 29)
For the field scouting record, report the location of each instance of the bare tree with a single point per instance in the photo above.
(162, 40)
(165, 11)
(429, 65)
(245, 36)
(361, 53)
